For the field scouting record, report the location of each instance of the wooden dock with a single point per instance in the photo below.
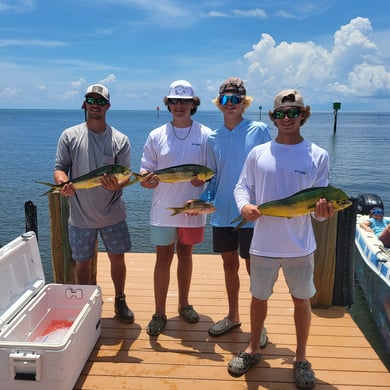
(184, 356)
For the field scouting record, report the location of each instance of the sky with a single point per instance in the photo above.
(329, 50)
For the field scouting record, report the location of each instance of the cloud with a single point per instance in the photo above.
(30, 42)
(353, 66)
(111, 78)
(16, 6)
(237, 13)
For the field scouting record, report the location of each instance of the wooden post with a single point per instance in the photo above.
(62, 262)
(324, 261)
(336, 107)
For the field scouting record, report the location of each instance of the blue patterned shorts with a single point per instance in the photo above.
(116, 239)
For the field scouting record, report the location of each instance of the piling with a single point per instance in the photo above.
(336, 107)
(62, 262)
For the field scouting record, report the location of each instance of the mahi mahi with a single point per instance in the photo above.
(301, 203)
(194, 207)
(92, 179)
(179, 173)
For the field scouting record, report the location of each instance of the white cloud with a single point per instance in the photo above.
(354, 67)
(16, 6)
(30, 42)
(234, 13)
(111, 78)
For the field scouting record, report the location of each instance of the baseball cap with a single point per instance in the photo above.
(99, 89)
(181, 89)
(233, 85)
(288, 98)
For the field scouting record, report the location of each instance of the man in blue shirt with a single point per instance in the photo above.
(227, 148)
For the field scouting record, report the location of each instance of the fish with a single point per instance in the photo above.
(194, 207)
(178, 173)
(92, 179)
(301, 203)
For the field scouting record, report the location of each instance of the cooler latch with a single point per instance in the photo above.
(25, 366)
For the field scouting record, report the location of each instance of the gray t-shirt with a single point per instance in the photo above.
(80, 151)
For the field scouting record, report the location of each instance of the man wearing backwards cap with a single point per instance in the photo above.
(180, 141)
(81, 149)
(275, 170)
(227, 148)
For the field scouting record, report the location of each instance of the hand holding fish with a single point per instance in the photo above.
(250, 212)
(150, 180)
(196, 182)
(110, 182)
(324, 209)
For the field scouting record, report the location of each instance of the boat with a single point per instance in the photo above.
(372, 268)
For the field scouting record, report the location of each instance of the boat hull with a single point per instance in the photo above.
(372, 271)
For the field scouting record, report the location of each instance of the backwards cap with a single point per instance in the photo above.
(288, 98)
(233, 85)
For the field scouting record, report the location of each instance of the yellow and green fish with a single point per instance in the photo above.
(179, 173)
(92, 179)
(194, 207)
(301, 203)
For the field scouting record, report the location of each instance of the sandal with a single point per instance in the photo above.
(304, 375)
(189, 314)
(241, 364)
(156, 325)
(223, 326)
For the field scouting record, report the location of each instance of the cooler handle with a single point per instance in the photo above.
(25, 366)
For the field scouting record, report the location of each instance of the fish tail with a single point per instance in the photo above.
(242, 221)
(175, 211)
(53, 187)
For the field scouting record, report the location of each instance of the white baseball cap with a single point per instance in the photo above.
(181, 89)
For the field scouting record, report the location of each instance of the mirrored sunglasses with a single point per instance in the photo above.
(377, 212)
(178, 100)
(225, 99)
(292, 113)
(99, 101)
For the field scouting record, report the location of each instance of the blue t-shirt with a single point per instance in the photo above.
(378, 225)
(226, 154)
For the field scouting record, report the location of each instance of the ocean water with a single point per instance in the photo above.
(358, 151)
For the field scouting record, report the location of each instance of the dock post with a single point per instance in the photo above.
(336, 107)
(62, 262)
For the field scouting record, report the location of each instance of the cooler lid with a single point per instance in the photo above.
(21, 275)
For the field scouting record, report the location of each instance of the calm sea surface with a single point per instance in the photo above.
(359, 152)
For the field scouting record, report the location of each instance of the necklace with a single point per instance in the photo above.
(186, 136)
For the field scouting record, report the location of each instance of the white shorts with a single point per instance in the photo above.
(298, 272)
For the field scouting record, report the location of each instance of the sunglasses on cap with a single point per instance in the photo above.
(377, 212)
(99, 101)
(292, 113)
(178, 100)
(225, 99)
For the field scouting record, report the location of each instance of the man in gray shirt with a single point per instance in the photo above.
(81, 149)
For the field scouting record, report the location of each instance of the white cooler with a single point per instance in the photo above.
(47, 331)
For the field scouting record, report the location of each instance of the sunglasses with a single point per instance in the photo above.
(178, 100)
(225, 99)
(292, 113)
(99, 101)
(377, 212)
